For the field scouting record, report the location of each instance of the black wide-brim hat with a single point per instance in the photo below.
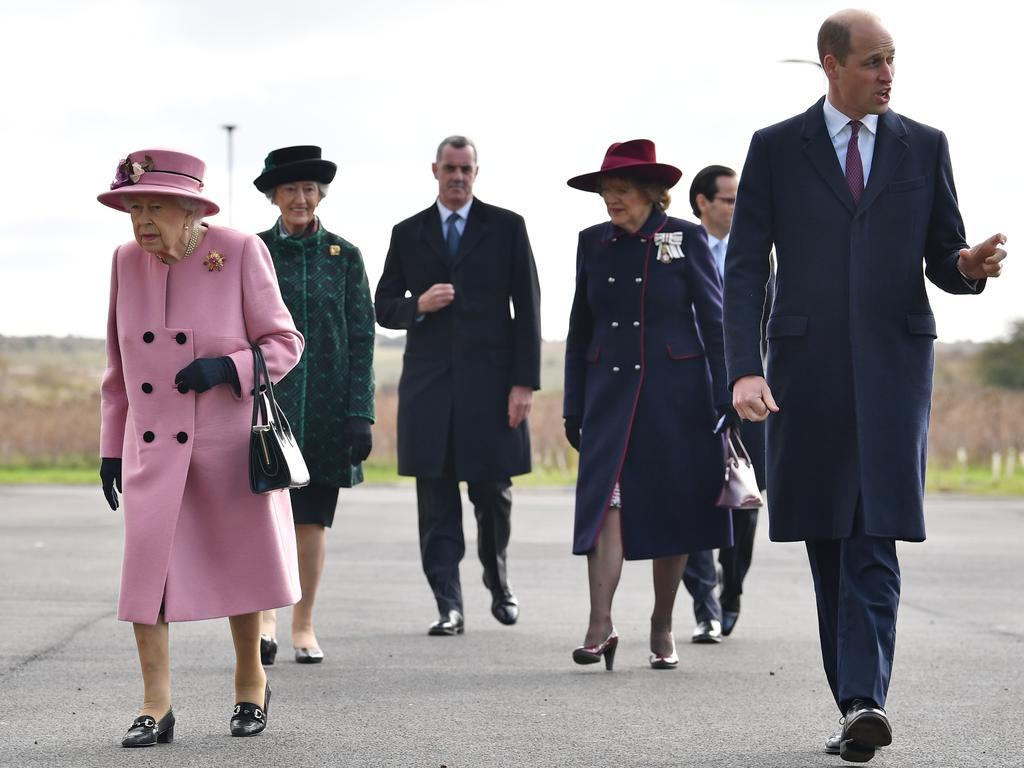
(633, 159)
(294, 164)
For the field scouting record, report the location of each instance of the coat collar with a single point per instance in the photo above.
(890, 146)
(655, 223)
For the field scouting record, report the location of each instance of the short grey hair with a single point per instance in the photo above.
(195, 208)
(320, 185)
(459, 142)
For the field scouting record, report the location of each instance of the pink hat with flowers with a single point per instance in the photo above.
(158, 172)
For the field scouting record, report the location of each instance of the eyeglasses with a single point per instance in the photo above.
(726, 200)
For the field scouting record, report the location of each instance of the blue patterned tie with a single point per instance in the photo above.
(453, 236)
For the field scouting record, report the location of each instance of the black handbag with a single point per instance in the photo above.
(275, 461)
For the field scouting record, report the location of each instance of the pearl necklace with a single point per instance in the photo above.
(193, 241)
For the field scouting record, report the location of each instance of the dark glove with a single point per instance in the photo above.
(727, 419)
(206, 372)
(110, 473)
(572, 433)
(359, 438)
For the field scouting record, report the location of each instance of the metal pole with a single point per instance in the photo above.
(231, 167)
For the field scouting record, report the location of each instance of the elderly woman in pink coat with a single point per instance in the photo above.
(186, 300)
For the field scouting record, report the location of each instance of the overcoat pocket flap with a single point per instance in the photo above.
(679, 351)
(922, 325)
(786, 325)
(907, 184)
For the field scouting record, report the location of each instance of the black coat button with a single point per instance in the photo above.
(181, 338)
(182, 437)
(183, 388)
(148, 337)
(148, 437)
(147, 387)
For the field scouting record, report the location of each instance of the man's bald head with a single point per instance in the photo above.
(835, 34)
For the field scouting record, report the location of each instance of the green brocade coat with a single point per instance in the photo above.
(323, 282)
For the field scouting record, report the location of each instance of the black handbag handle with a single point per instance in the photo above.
(263, 385)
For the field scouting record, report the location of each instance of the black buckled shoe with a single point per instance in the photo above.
(248, 719)
(865, 729)
(147, 732)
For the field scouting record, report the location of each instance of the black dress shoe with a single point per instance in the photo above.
(145, 731)
(709, 631)
(450, 623)
(248, 719)
(308, 655)
(865, 729)
(268, 650)
(505, 607)
(729, 619)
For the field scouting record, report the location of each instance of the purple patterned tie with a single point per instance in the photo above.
(854, 167)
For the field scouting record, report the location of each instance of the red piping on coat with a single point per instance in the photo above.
(639, 386)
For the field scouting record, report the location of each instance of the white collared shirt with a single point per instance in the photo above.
(446, 213)
(718, 249)
(839, 131)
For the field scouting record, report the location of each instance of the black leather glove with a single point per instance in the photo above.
(206, 372)
(359, 438)
(572, 433)
(727, 419)
(110, 474)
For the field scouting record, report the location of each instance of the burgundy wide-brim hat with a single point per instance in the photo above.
(158, 172)
(633, 159)
(290, 164)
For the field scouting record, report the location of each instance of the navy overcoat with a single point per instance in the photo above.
(644, 372)
(850, 332)
(461, 361)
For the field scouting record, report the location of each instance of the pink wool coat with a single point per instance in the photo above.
(196, 537)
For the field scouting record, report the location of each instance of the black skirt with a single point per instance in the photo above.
(314, 505)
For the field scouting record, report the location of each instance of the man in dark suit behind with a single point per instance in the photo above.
(469, 372)
(854, 198)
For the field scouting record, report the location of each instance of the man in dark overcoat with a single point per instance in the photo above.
(855, 199)
(468, 376)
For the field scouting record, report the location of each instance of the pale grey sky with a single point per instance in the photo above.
(542, 86)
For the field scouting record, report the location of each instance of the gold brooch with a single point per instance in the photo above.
(214, 260)
(335, 250)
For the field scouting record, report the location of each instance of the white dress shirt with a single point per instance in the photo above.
(839, 131)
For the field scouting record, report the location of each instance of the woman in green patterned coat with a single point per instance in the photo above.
(328, 396)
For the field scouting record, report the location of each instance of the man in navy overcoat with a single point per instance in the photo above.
(855, 199)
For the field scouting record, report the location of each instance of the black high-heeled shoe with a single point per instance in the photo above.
(145, 731)
(591, 654)
(268, 650)
(248, 719)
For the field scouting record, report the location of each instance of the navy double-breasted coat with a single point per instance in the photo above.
(850, 332)
(461, 361)
(644, 373)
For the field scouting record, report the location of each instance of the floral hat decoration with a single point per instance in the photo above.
(158, 172)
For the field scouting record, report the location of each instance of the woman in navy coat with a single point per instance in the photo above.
(644, 387)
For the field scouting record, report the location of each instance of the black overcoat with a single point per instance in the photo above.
(851, 331)
(461, 361)
(645, 375)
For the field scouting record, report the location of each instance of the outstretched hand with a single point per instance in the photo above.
(984, 259)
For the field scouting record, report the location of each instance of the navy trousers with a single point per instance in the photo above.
(857, 586)
(735, 560)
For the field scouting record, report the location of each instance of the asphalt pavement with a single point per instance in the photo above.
(389, 695)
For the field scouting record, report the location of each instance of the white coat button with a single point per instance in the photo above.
(643, 239)
(639, 280)
(636, 367)
(615, 323)
(615, 369)
(636, 323)
(611, 279)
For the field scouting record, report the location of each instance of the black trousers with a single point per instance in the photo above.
(735, 560)
(442, 544)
